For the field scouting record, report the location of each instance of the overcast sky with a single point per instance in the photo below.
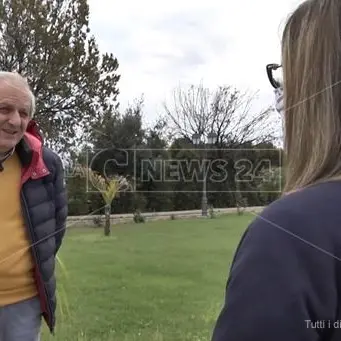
(162, 44)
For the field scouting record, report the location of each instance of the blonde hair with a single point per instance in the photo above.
(15, 79)
(311, 59)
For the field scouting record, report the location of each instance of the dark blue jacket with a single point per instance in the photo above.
(44, 203)
(285, 279)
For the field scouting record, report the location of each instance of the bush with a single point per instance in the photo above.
(211, 212)
(271, 185)
(241, 205)
(138, 217)
(98, 221)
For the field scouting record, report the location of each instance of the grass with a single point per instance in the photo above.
(159, 281)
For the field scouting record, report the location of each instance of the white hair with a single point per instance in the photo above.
(15, 77)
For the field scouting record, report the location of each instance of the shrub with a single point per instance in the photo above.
(98, 221)
(211, 212)
(138, 217)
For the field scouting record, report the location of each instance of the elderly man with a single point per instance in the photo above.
(33, 211)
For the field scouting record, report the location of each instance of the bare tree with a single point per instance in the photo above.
(225, 111)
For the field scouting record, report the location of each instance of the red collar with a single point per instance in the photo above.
(36, 168)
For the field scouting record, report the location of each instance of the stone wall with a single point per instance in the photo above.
(128, 218)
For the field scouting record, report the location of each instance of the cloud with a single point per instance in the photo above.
(162, 44)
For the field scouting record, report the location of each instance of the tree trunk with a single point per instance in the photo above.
(107, 220)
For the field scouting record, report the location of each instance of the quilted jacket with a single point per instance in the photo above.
(44, 204)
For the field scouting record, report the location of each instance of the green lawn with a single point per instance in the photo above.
(158, 281)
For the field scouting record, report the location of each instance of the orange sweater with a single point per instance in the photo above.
(16, 263)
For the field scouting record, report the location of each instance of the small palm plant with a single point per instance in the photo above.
(109, 189)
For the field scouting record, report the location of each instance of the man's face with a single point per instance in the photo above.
(15, 103)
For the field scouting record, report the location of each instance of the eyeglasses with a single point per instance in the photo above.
(275, 80)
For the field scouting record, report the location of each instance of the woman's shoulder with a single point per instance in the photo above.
(311, 201)
(311, 215)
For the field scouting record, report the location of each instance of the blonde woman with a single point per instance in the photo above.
(285, 279)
